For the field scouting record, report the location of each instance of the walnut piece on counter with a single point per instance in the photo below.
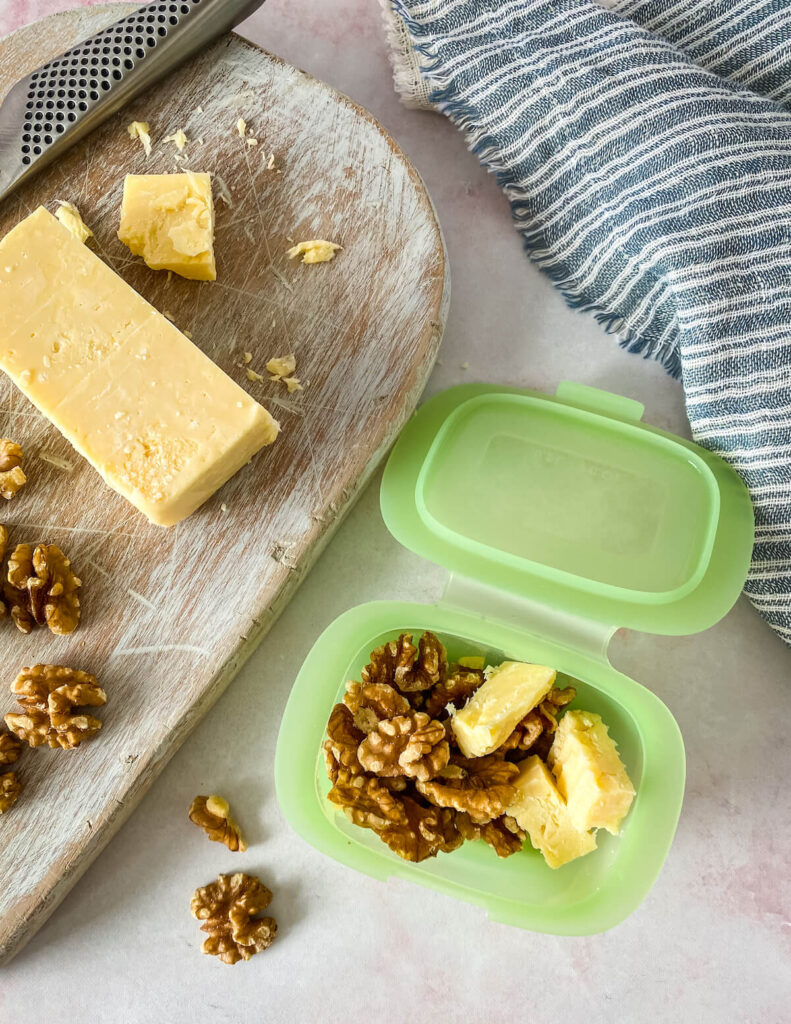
(503, 834)
(317, 250)
(213, 815)
(227, 908)
(11, 747)
(10, 788)
(42, 589)
(366, 801)
(49, 696)
(12, 477)
(412, 745)
(479, 786)
(427, 832)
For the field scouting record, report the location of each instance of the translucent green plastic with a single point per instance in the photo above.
(545, 509)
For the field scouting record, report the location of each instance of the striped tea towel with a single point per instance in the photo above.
(645, 147)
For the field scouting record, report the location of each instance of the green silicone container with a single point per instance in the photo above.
(560, 518)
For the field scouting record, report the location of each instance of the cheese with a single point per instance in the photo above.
(541, 811)
(163, 425)
(314, 251)
(141, 130)
(590, 774)
(494, 710)
(71, 218)
(179, 138)
(168, 219)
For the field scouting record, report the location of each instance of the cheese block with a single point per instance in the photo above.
(168, 219)
(542, 812)
(590, 774)
(494, 710)
(163, 425)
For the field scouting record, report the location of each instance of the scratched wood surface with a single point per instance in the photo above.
(170, 615)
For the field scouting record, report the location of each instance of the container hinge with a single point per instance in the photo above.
(542, 621)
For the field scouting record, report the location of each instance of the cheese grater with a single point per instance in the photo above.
(54, 106)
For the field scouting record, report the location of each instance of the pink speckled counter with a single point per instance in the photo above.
(712, 943)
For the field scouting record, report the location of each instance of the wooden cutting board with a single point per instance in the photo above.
(170, 615)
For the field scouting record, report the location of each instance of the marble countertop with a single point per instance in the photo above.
(712, 942)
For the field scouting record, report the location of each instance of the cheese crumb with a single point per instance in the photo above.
(314, 251)
(187, 334)
(70, 218)
(282, 366)
(241, 127)
(223, 507)
(141, 130)
(292, 383)
(254, 377)
(252, 141)
(248, 357)
(199, 110)
(57, 461)
(179, 138)
(168, 315)
(270, 164)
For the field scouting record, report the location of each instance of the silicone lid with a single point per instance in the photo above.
(572, 501)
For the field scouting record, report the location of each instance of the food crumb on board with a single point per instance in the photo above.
(270, 164)
(465, 366)
(199, 110)
(179, 138)
(282, 366)
(71, 218)
(187, 334)
(170, 277)
(241, 127)
(254, 377)
(292, 383)
(223, 507)
(141, 130)
(317, 250)
(168, 315)
(247, 357)
(251, 140)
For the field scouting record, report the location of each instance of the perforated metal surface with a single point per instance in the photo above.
(63, 89)
(60, 102)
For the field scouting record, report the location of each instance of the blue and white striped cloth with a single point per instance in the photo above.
(645, 147)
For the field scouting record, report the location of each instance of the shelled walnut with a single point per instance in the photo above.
(412, 745)
(479, 786)
(427, 832)
(366, 801)
(50, 696)
(12, 478)
(213, 815)
(10, 788)
(503, 834)
(11, 747)
(227, 908)
(41, 589)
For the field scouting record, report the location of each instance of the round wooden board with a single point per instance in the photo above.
(169, 615)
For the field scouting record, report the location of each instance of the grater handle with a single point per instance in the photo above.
(58, 104)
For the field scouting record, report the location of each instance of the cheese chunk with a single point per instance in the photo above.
(163, 425)
(168, 219)
(542, 813)
(492, 713)
(590, 774)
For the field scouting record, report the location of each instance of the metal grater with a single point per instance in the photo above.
(59, 103)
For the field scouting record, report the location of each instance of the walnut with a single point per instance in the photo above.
(226, 908)
(340, 749)
(539, 724)
(10, 788)
(412, 745)
(10, 748)
(372, 702)
(480, 786)
(42, 588)
(11, 476)
(427, 832)
(213, 815)
(366, 801)
(456, 689)
(503, 834)
(49, 695)
(399, 663)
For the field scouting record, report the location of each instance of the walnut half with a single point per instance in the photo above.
(227, 908)
(213, 815)
(10, 788)
(12, 479)
(412, 745)
(50, 696)
(42, 589)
